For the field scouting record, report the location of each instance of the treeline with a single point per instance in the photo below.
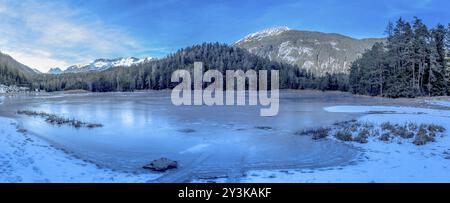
(156, 75)
(413, 62)
(13, 72)
(12, 76)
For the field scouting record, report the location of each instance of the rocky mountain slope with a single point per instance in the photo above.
(8, 61)
(314, 51)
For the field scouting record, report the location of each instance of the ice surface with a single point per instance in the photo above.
(206, 141)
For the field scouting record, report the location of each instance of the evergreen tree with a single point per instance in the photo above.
(413, 62)
(438, 61)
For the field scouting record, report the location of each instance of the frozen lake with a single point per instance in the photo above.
(207, 141)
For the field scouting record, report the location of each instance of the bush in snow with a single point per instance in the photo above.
(436, 128)
(361, 132)
(57, 120)
(385, 137)
(362, 136)
(344, 135)
(413, 126)
(387, 126)
(403, 132)
(320, 133)
(422, 136)
(316, 134)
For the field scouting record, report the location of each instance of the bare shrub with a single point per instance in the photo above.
(413, 126)
(368, 125)
(436, 128)
(362, 136)
(344, 135)
(422, 137)
(403, 132)
(57, 120)
(354, 127)
(387, 126)
(316, 134)
(385, 137)
(320, 133)
(375, 133)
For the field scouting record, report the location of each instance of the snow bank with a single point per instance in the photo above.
(25, 158)
(381, 161)
(384, 109)
(3, 89)
(440, 103)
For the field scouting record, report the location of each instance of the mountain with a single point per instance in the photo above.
(316, 52)
(14, 73)
(101, 65)
(37, 71)
(55, 71)
(7, 60)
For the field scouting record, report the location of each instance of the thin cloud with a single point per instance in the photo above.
(64, 34)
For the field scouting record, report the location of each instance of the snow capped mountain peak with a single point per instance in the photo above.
(55, 70)
(264, 33)
(145, 60)
(103, 64)
(316, 52)
(125, 61)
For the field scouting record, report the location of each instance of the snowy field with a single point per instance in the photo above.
(382, 161)
(26, 159)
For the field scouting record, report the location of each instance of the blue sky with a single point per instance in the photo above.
(44, 33)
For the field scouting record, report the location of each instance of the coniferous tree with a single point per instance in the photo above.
(413, 62)
(438, 61)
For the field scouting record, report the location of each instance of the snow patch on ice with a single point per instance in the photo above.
(386, 109)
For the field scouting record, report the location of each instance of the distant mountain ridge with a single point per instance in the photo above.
(100, 65)
(316, 52)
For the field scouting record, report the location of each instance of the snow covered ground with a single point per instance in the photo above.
(382, 161)
(26, 158)
(440, 102)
